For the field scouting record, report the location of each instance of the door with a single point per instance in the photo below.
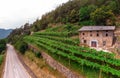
(93, 44)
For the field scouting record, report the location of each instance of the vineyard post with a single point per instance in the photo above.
(82, 67)
(100, 73)
(69, 62)
(59, 57)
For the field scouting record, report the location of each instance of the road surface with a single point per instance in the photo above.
(13, 66)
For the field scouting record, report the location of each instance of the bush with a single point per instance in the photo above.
(85, 12)
(21, 46)
(89, 22)
(37, 54)
(101, 15)
(1, 59)
(2, 45)
(68, 27)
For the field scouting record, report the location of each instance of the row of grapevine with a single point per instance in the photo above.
(41, 42)
(62, 34)
(58, 34)
(69, 49)
(52, 36)
(64, 40)
(78, 49)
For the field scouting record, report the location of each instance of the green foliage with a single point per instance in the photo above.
(18, 33)
(69, 27)
(38, 54)
(113, 6)
(86, 11)
(78, 11)
(100, 15)
(84, 56)
(62, 34)
(2, 45)
(73, 17)
(85, 23)
(21, 46)
(75, 12)
(1, 59)
(35, 28)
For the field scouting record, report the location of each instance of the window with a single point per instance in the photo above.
(90, 34)
(97, 35)
(83, 33)
(93, 43)
(85, 41)
(104, 43)
(106, 35)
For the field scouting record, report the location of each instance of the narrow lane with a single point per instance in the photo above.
(13, 66)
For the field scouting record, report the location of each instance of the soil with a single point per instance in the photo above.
(40, 68)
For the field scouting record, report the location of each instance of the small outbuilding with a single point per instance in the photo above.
(97, 36)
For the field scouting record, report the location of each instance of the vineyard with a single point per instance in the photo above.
(59, 44)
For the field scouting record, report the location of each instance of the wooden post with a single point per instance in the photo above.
(100, 74)
(82, 67)
(69, 62)
(59, 57)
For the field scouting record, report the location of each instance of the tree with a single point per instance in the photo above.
(21, 46)
(113, 6)
(74, 16)
(2, 45)
(101, 15)
(85, 12)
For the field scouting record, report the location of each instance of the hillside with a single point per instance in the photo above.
(78, 13)
(81, 12)
(80, 59)
(4, 33)
(56, 34)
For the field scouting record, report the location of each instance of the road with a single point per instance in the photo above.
(13, 66)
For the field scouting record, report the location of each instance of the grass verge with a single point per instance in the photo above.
(39, 66)
(1, 65)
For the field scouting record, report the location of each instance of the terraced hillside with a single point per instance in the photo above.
(61, 47)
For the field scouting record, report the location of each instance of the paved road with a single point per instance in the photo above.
(13, 66)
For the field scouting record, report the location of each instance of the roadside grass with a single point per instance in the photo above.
(38, 64)
(1, 65)
(1, 59)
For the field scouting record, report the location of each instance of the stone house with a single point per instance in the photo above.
(97, 36)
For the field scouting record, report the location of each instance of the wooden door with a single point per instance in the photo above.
(93, 44)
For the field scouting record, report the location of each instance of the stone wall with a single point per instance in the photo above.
(56, 65)
(92, 36)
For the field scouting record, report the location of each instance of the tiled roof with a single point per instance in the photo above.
(94, 28)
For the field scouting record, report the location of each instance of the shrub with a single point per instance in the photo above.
(1, 59)
(21, 46)
(2, 45)
(89, 22)
(101, 15)
(37, 54)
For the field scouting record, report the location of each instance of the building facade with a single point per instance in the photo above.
(97, 36)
